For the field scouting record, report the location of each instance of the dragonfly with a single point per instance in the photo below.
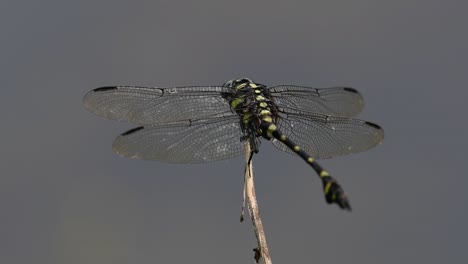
(197, 124)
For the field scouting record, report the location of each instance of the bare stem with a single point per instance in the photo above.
(262, 252)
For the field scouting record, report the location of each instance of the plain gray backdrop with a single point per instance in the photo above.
(65, 197)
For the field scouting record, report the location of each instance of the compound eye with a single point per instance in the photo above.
(244, 80)
(240, 83)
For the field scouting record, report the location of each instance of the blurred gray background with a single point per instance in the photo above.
(65, 197)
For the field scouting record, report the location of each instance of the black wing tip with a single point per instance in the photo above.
(351, 90)
(105, 88)
(133, 130)
(373, 125)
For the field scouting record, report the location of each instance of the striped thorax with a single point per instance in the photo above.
(254, 104)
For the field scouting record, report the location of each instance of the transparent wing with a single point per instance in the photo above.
(337, 101)
(325, 136)
(151, 105)
(183, 142)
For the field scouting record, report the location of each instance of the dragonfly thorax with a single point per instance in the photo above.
(254, 104)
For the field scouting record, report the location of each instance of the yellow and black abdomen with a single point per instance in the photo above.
(332, 190)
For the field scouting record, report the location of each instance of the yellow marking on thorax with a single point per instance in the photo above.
(240, 86)
(260, 98)
(236, 102)
(267, 118)
(265, 112)
(246, 117)
(253, 85)
(263, 104)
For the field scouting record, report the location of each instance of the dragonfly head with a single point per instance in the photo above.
(238, 83)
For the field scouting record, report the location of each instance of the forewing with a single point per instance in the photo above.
(324, 136)
(151, 105)
(183, 142)
(337, 101)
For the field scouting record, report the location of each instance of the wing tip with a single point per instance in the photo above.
(89, 95)
(131, 131)
(373, 125)
(379, 132)
(104, 88)
(351, 90)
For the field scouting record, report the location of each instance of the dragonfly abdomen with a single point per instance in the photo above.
(332, 190)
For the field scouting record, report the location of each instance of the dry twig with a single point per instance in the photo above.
(261, 252)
